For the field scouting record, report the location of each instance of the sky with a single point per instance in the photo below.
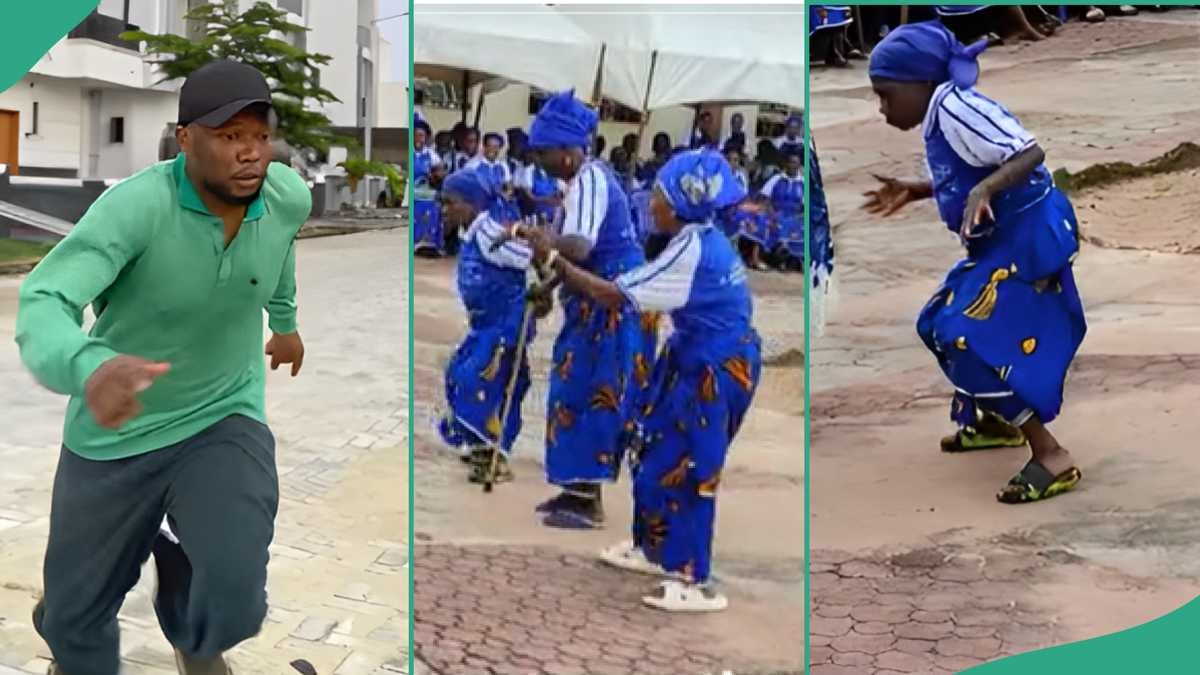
(395, 31)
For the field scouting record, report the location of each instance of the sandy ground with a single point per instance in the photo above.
(759, 545)
(1121, 550)
(338, 580)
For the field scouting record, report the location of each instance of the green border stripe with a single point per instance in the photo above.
(412, 479)
(1164, 645)
(30, 29)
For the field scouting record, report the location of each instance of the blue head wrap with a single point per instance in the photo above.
(698, 183)
(478, 188)
(563, 122)
(926, 52)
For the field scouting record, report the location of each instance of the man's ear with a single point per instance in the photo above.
(183, 136)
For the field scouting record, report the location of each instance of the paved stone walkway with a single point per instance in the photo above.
(339, 565)
(514, 610)
(931, 610)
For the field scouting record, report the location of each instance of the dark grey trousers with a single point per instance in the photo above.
(220, 491)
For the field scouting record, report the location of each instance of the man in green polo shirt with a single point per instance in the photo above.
(167, 413)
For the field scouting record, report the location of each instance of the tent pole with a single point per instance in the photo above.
(645, 107)
(466, 94)
(479, 106)
(862, 42)
(597, 87)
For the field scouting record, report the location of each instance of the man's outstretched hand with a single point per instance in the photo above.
(287, 348)
(111, 391)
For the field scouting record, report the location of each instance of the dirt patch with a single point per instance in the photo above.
(791, 358)
(1150, 213)
(1182, 157)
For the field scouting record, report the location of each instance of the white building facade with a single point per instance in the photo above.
(90, 107)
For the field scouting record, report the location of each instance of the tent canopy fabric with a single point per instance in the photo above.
(527, 43)
(709, 53)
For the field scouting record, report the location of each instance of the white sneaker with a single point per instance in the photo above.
(678, 596)
(626, 556)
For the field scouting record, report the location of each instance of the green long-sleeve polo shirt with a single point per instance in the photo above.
(151, 260)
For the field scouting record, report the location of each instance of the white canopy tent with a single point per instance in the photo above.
(666, 55)
(534, 44)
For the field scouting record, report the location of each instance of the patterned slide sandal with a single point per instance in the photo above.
(1034, 483)
(992, 432)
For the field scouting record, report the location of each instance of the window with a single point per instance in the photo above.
(294, 6)
(116, 130)
(34, 130)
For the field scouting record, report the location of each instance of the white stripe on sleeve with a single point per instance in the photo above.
(586, 204)
(980, 130)
(769, 186)
(515, 254)
(664, 284)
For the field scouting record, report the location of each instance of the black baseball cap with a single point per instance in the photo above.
(217, 91)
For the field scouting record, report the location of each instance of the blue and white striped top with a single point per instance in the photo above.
(699, 278)
(597, 209)
(967, 137)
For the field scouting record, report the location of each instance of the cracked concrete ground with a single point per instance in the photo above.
(338, 578)
(916, 567)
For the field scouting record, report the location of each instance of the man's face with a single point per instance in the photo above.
(620, 158)
(229, 161)
(706, 122)
(793, 164)
(737, 122)
(470, 144)
(795, 129)
(491, 149)
(419, 139)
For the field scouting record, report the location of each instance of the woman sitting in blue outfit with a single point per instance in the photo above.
(1008, 320)
(702, 383)
(427, 169)
(784, 244)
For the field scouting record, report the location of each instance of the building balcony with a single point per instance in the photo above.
(106, 29)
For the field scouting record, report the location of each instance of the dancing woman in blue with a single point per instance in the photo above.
(491, 283)
(603, 355)
(1007, 321)
(820, 245)
(703, 382)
